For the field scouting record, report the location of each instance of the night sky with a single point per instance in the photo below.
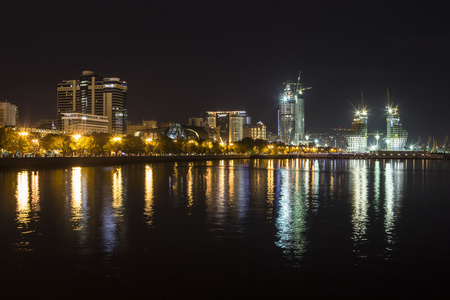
(181, 60)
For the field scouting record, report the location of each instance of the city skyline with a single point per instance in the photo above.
(181, 62)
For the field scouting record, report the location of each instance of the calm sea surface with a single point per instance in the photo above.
(237, 228)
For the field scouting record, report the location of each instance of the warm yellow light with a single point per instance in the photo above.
(36, 141)
(148, 140)
(117, 139)
(76, 137)
(23, 133)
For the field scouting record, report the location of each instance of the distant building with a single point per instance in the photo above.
(196, 121)
(146, 124)
(94, 95)
(229, 125)
(272, 137)
(339, 139)
(46, 124)
(9, 115)
(356, 137)
(256, 132)
(396, 136)
(79, 123)
(175, 131)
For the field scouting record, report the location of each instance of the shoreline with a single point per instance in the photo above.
(8, 162)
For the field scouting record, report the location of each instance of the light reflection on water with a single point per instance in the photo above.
(360, 218)
(76, 200)
(149, 195)
(290, 223)
(27, 208)
(394, 185)
(290, 196)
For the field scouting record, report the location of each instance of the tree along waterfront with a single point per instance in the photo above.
(20, 144)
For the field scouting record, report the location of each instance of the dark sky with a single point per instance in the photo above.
(181, 60)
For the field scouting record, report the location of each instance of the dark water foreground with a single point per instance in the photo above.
(227, 229)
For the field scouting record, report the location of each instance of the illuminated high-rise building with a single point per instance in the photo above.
(396, 136)
(291, 114)
(229, 124)
(92, 94)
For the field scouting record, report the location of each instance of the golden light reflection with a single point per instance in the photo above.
(175, 183)
(270, 191)
(221, 186)
(149, 194)
(35, 206)
(76, 198)
(22, 195)
(209, 180)
(117, 192)
(190, 188)
(232, 185)
(27, 207)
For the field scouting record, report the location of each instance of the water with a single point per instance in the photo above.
(217, 229)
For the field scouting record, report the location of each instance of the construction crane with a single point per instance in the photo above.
(391, 110)
(362, 110)
(299, 86)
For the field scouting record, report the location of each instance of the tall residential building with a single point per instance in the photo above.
(93, 94)
(9, 115)
(291, 115)
(229, 124)
(396, 136)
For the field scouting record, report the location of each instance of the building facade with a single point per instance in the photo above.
(146, 124)
(9, 115)
(256, 132)
(93, 94)
(79, 123)
(229, 125)
(196, 121)
(357, 135)
(396, 136)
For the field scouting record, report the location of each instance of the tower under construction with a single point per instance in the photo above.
(357, 135)
(396, 136)
(291, 114)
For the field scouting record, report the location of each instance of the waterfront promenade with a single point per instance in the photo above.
(21, 162)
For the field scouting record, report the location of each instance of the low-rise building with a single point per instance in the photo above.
(79, 123)
(146, 124)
